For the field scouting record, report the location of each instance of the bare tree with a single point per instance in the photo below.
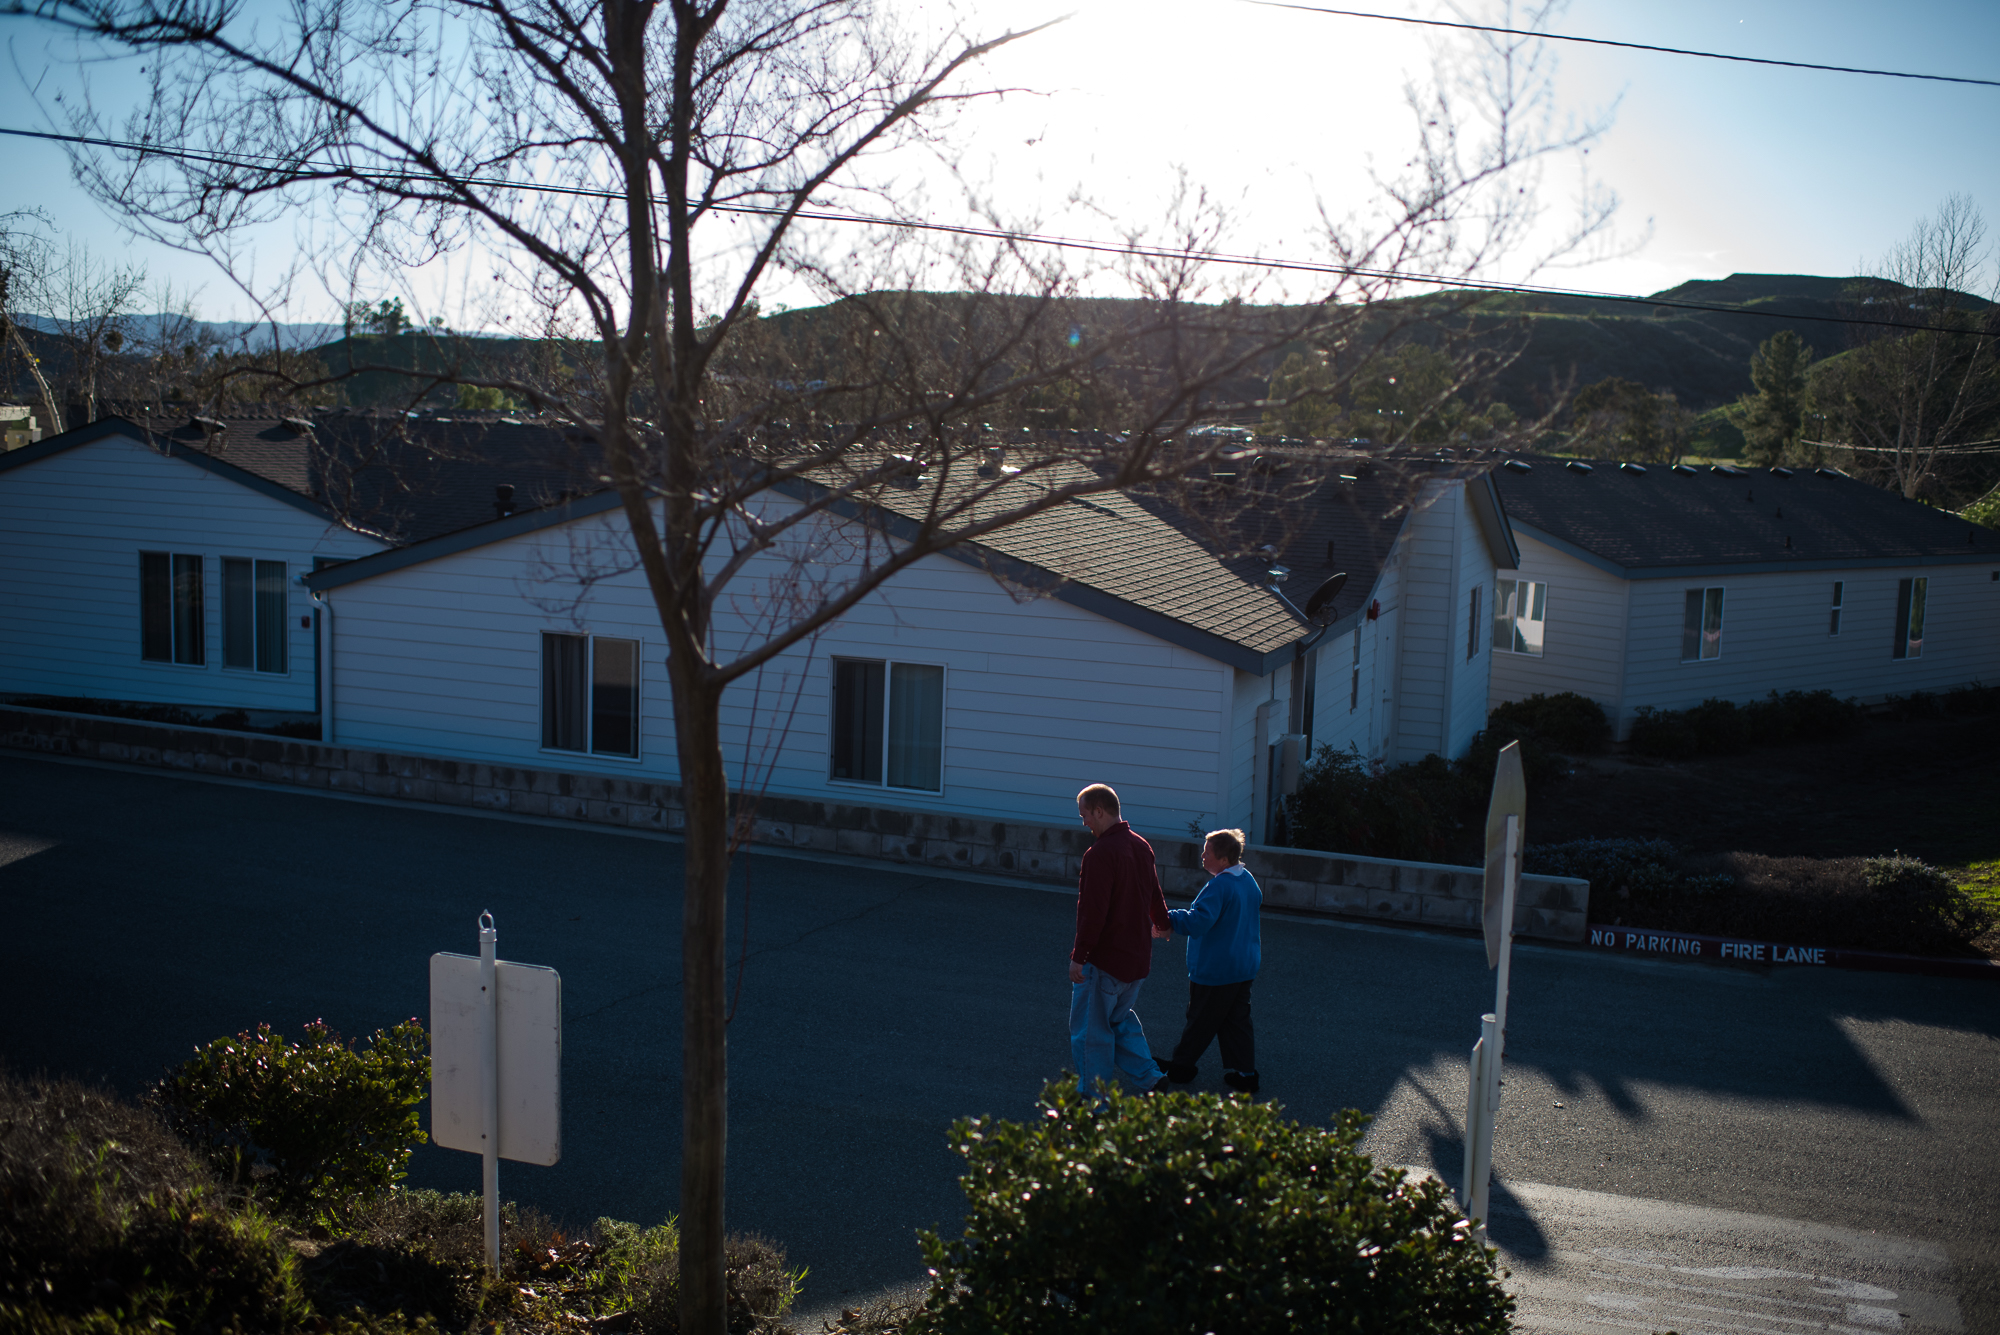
(24, 260)
(636, 171)
(1903, 401)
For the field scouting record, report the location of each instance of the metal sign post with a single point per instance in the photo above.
(496, 1064)
(1505, 821)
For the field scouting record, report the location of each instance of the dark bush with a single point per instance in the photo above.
(1895, 904)
(1567, 721)
(1430, 810)
(108, 1224)
(1724, 728)
(1914, 706)
(317, 1126)
(1182, 1212)
(1972, 700)
(1414, 812)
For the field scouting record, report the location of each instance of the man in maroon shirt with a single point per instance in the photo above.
(1120, 912)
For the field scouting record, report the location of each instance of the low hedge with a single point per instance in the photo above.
(1897, 904)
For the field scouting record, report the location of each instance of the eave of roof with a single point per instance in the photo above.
(464, 540)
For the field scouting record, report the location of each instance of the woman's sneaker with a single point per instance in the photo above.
(1242, 1081)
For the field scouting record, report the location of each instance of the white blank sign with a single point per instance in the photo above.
(530, 1058)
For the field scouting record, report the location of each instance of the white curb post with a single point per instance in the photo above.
(489, 1076)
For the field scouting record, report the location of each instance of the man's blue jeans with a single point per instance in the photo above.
(1105, 1035)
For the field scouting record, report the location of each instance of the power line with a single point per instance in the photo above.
(301, 172)
(1629, 46)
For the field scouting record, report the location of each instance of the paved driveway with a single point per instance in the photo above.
(146, 914)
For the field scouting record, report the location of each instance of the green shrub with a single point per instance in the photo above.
(1612, 866)
(107, 1225)
(1912, 890)
(1567, 721)
(1181, 1212)
(317, 1126)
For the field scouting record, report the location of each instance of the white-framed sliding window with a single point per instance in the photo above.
(1701, 625)
(1839, 595)
(1520, 610)
(173, 624)
(256, 615)
(590, 694)
(1911, 596)
(887, 724)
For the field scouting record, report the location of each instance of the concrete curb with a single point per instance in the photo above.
(1698, 947)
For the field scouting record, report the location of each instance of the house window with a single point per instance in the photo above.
(1519, 609)
(254, 615)
(171, 626)
(1472, 625)
(590, 694)
(1701, 626)
(1354, 687)
(1910, 597)
(1833, 623)
(888, 724)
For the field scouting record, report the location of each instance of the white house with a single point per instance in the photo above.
(473, 599)
(1146, 661)
(1665, 587)
(152, 567)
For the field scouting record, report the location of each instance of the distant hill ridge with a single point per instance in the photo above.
(1702, 356)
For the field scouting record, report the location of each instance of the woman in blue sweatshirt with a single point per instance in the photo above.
(1225, 952)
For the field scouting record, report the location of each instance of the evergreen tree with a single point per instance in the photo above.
(1771, 418)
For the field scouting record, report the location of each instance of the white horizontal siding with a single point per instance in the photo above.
(71, 530)
(1583, 645)
(1041, 697)
(1774, 636)
(1471, 674)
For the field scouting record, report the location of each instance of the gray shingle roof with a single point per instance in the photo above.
(403, 480)
(1664, 519)
(1110, 544)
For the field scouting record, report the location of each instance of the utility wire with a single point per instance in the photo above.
(1629, 46)
(310, 171)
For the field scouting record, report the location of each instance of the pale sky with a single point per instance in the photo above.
(1719, 167)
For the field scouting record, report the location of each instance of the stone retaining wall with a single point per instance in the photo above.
(1552, 907)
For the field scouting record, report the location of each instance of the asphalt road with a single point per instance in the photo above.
(146, 914)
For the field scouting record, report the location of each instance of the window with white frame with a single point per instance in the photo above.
(1911, 595)
(1520, 608)
(1701, 625)
(255, 615)
(1839, 593)
(888, 724)
(172, 624)
(590, 694)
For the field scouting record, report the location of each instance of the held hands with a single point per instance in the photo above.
(1163, 933)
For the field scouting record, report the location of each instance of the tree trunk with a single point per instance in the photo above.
(704, 1039)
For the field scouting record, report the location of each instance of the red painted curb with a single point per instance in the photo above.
(1735, 950)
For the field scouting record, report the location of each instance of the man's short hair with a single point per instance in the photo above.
(1228, 845)
(1099, 797)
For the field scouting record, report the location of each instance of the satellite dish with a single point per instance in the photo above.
(1322, 597)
